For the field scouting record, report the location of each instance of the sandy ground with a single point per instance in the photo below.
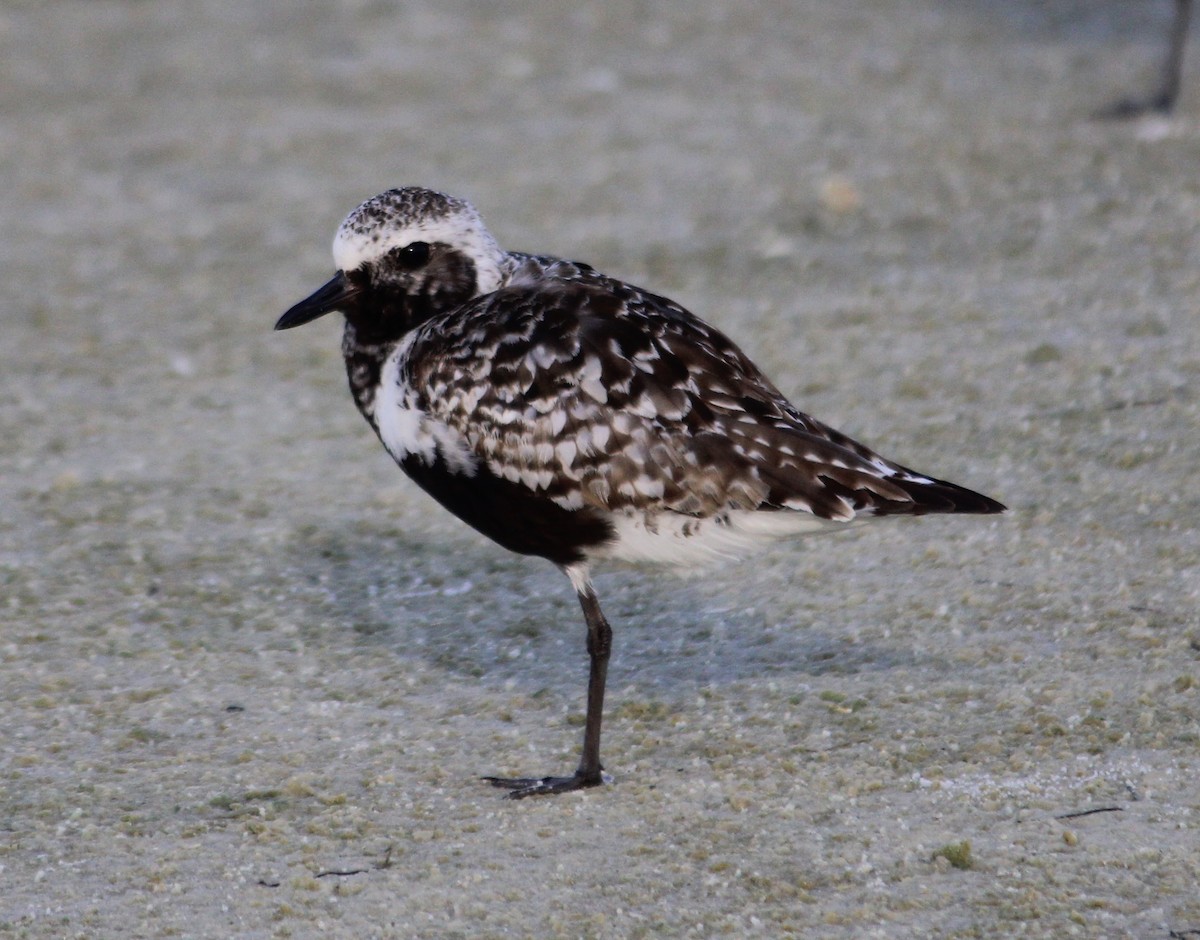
(250, 675)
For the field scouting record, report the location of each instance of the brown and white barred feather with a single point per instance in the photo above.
(596, 394)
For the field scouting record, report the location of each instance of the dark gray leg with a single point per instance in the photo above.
(589, 773)
(1162, 99)
(599, 646)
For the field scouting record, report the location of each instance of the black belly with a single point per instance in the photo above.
(510, 514)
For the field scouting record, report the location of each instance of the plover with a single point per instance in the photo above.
(569, 415)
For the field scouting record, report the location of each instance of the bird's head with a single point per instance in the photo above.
(402, 257)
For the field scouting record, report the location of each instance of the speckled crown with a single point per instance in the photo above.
(401, 216)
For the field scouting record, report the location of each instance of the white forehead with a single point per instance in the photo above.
(402, 216)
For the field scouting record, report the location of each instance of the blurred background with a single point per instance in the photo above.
(239, 649)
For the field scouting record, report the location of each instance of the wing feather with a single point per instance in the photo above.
(597, 394)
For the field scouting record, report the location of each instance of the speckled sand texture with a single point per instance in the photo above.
(249, 675)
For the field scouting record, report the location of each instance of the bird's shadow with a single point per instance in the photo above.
(466, 607)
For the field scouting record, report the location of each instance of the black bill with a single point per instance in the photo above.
(337, 294)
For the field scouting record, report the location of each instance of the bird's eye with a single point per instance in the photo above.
(414, 256)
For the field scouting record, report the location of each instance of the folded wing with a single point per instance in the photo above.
(596, 394)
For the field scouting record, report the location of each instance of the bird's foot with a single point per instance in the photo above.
(520, 787)
(1129, 108)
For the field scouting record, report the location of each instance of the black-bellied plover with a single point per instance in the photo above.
(569, 415)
